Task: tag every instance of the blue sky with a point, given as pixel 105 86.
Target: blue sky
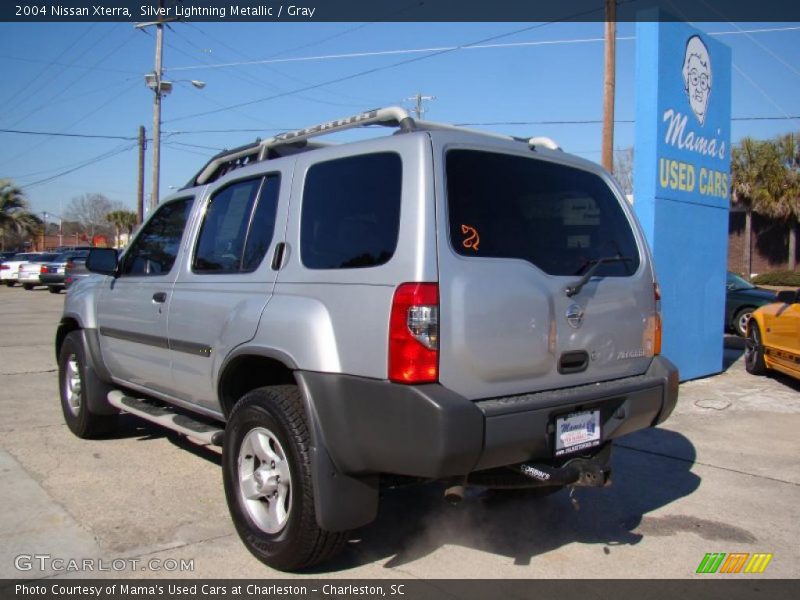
pixel 85 78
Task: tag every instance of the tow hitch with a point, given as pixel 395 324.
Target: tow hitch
pixel 580 473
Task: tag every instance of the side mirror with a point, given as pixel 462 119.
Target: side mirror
pixel 788 296
pixel 103 261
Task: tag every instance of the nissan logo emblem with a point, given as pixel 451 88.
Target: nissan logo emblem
pixel 574 316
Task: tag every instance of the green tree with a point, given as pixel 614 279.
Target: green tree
pixel 15 216
pixel 122 220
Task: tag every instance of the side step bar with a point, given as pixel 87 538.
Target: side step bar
pixel 167 417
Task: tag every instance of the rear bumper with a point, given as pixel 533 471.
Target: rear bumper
pixel 52 279
pixel 370 426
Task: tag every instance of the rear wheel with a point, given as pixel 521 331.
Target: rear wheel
pixel 754 351
pixel 266 470
pixel 740 321
pixel 54 290
pixel 77 383
pixel 27 286
pixel 9 283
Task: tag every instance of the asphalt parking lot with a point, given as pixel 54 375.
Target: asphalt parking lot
pixel 722 475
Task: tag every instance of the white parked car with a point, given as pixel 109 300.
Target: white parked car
pixel 9 272
pixel 29 272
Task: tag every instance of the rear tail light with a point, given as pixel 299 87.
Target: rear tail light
pixel 652 334
pixel 43 269
pixel 414 334
pixel 69 265
pixel 4 267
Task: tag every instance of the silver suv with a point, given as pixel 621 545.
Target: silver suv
pixel 438 304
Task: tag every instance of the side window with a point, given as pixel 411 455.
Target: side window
pixel 260 236
pixel 351 212
pixel 237 231
pixel 155 249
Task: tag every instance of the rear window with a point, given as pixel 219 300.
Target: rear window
pixel 351 212
pixel 559 218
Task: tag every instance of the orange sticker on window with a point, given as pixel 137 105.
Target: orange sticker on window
pixel 473 239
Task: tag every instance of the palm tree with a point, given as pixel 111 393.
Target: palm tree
pixel 747 189
pixel 14 213
pixel 122 219
pixel 766 180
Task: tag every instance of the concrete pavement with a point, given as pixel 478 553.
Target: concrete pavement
pixel 722 475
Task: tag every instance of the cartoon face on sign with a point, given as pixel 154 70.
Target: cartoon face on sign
pixel 697 76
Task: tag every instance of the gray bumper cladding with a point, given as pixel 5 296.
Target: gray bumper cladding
pixel 371 426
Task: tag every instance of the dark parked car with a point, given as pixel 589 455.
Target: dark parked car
pixel 75 270
pixel 6 256
pixel 53 273
pixel 741 299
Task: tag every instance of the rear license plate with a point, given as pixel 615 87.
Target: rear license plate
pixel 577 431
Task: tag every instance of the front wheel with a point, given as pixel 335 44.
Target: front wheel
pixel 754 351
pixel 27 287
pixel 266 468
pixel 77 382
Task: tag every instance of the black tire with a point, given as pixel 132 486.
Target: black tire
pixel 754 351
pixel 277 522
pixel 27 287
pixel 54 290
pixel 77 383
pixel 9 283
pixel 739 324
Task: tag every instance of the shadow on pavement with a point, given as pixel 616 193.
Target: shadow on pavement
pixel 131 426
pixel 416 521
pixel 732 350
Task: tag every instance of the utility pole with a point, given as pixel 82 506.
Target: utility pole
pixel 140 182
pixel 160 89
pixel 609 84
pixel 157 113
pixel 419 98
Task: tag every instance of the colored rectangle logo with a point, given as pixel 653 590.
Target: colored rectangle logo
pixel 734 563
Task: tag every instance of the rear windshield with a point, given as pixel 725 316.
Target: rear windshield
pixel 559 218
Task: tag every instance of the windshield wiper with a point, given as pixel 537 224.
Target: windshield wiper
pixel 578 285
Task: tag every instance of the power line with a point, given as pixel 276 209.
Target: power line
pixel 47 103
pixel 261 82
pixel 282 129
pixel 74 135
pixel 87 163
pixel 476 46
pixel 385 67
pixel 83 118
pixel 47 66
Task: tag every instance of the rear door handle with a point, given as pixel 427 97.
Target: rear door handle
pixel 160 297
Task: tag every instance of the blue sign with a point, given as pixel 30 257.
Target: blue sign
pixel 682 183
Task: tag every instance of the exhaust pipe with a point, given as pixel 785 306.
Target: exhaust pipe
pixel 454 494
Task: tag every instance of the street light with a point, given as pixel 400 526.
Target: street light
pixel 161 88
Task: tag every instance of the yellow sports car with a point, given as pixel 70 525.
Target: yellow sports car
pixel 773 337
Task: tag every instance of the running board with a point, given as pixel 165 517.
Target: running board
pixel 167 417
